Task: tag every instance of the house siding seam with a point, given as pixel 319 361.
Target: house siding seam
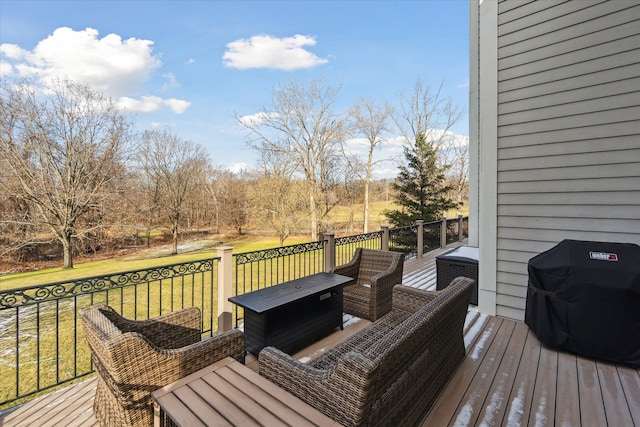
pixel 568 132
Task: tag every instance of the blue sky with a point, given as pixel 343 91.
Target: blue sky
pixel 193 66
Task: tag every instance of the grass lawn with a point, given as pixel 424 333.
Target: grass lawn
pixel 190 251
pixel 143 259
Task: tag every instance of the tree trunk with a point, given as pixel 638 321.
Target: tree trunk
pixel 175 239
pixel 67 250
pixel 314 215
pixel 365 228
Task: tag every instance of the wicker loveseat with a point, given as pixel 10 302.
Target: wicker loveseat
pixel 375 273
pixel 388 373
pixel 133 358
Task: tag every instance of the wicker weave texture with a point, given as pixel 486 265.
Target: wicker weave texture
pixel 390 372
pixel 376 273
pixel 134 358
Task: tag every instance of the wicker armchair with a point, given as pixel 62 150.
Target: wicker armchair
pixel 375 273
pixel 133 358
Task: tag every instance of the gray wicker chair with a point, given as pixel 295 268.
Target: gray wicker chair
pixel 376 273
pixel 133 358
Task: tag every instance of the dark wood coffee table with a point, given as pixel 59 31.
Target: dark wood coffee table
pixel 294 314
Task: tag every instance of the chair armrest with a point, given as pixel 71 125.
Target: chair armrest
pixel 349 270
pixel 152 367
pixel 344 392
pixel 171 330
pixel 410 299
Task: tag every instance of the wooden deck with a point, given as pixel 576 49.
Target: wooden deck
pixel 507 379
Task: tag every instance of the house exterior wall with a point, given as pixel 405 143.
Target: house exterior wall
pixel 559 155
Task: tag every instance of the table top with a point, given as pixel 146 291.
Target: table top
pixel 461 253
pixel 228 393
pixel 276 296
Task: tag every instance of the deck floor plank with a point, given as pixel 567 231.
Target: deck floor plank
pixel 568 399
pixel 473 402
pixel 590 391
pixel 497 399
pixel 521 396
pixel 631 386
pixel 620 387
pixel 444 409
pixel 508 378
pixel 543 401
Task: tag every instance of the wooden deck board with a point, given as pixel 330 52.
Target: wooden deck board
pixel 508 378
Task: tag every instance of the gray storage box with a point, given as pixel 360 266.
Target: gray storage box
pixel 461 261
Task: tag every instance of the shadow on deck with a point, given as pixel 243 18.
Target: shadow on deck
pixel 508 378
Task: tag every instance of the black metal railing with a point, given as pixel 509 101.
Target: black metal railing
pixel 405 240
pixel 345 246
pixel 42 344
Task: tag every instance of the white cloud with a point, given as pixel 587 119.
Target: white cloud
pixel 150 104
pixel 264 51
pixel 238 167
pixel 257 119
pixel 171 81
pixel 12 51
pixel 161 125
pixel 6 69
pixel 110 65
pixel 146 104
pixel 177 105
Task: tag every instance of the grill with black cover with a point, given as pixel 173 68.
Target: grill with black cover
pixel 584 297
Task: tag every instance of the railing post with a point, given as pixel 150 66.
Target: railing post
pixel 460 232
pixel 225 288
pixel 420 244
pixel 384 242
pixel 443 233
pixel 329 251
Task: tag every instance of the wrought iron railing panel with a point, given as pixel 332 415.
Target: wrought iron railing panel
pixel 42 343
pixel 346 246
pixel 430 236
pixel 405 240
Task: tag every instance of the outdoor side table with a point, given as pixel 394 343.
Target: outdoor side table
pixel 461 261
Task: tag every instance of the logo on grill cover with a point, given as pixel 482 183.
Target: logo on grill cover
pixel 603 256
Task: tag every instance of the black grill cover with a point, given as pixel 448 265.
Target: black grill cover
pixel 584 297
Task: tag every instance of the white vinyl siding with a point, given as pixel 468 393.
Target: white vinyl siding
pixel 568 132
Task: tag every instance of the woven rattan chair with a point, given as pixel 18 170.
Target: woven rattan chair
pixel 375 273
pixel 134 358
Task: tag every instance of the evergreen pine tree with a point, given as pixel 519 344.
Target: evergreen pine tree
pixel 421 189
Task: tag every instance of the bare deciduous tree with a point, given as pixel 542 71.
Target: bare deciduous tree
pixel 303 127
pixel 425 113
pixel 65 149
pixel 275 197
pixel 173 168
pixel 369 121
